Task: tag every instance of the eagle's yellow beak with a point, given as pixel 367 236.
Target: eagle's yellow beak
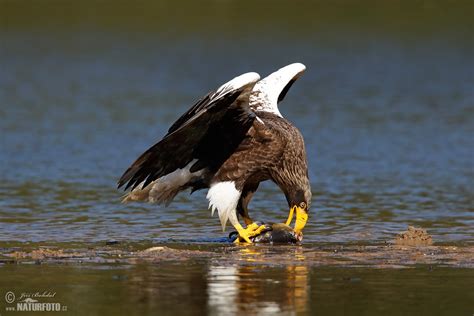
pixel 301 218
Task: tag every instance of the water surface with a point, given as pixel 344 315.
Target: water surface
pixel 386 108
pixel 213 289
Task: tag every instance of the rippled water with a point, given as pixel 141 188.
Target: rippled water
pixel 386 107
pixel 388 124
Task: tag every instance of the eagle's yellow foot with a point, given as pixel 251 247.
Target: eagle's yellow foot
pixel 252 230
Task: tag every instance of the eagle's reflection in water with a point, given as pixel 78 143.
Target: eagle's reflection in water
pixel 256 288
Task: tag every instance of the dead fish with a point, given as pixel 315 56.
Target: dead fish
pixel 276 233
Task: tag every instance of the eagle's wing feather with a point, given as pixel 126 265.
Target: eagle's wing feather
pixel 208 132
pixel 199 106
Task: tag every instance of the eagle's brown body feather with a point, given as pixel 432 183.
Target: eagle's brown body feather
pixel 267 153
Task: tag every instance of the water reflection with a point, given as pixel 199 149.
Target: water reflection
pixel 236 289
pixel 213 288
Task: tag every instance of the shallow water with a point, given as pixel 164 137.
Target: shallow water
pixel 388 119
pixel 386 107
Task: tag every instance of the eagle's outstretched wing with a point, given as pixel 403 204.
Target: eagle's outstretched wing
pixel 202 138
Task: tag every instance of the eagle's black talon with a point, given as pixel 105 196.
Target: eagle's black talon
pixel 233 236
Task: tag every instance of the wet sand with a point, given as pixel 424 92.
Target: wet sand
pixel 411 247
pixel 377 256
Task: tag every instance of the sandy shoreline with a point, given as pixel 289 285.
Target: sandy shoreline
pixel 377 256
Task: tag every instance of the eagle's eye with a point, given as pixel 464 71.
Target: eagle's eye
pixel 303 205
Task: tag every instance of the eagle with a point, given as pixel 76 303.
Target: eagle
pixel 228 142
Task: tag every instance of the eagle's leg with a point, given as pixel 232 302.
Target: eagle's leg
pixel 247 220
pixel 244 212
pixel 244 200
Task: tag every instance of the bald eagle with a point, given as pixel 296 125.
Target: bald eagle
pixel 228 142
